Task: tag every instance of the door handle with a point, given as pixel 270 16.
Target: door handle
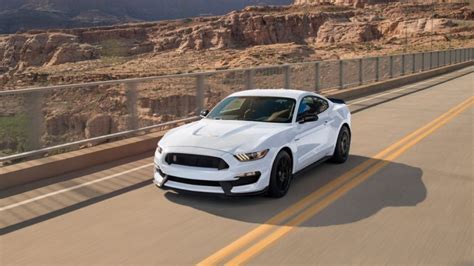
pixel 296 139
pixel 326 122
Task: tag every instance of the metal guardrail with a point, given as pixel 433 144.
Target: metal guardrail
pixel 35 121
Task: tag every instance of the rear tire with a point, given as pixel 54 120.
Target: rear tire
pixel 343 145
pixel 281 175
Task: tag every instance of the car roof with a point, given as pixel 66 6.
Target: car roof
pixel 295 94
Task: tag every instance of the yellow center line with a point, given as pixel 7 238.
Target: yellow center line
pixel 308 200
pixel 316 208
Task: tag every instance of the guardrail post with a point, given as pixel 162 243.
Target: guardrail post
pixel 286 73
pixel 34 113
pixel 200 84
pixel 132 101
pixel 361 73
pixel 422 62
pixel 413 63
pixel 341 74
pixel 249 74
pixel 402 71
pixel 431 61
pixel 390 71
pixel 377 68
pixel 439 59
pixel 317 77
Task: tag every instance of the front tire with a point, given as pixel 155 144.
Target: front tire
pixel 281 175
pixel 343 145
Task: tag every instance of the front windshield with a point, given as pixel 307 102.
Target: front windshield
pixel 253 108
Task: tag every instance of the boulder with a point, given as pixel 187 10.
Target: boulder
pixel 415 27
pixel 25 50
pixel 73 53
pixel 98 125
pixel 331 33
pixel 59 124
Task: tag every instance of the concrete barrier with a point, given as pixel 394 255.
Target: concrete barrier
pixel 55 165
pixel 43 168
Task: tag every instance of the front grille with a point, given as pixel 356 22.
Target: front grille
pixel 196 160
pixel 193 181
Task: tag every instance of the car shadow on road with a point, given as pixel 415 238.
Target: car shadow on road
pixel 396 185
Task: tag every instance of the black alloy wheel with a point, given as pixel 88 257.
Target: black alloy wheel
pixel 343 145
pixel 281 175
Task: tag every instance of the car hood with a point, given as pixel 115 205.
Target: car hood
pixel 223 135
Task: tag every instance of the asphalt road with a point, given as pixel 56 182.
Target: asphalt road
pixel 404 197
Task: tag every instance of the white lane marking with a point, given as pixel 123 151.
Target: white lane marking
pixel 395 91
pixel 71 188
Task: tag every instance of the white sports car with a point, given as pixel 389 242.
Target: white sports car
pixel 253 142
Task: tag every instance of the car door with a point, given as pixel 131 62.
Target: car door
pixel 311 137
pixel 322 107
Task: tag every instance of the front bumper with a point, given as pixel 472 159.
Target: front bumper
pixel 228 181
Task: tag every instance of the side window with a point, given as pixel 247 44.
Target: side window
pixel 321 105
pixel 306 105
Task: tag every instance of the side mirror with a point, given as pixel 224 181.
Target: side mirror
pixel 307 118
pixel 204 113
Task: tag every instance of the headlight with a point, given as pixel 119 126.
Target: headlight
pixel 251 156
pixel 159 149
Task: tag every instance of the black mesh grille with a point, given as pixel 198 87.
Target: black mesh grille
pixel 196 160
pixel 193 181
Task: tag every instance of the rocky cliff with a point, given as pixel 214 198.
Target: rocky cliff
pixel 252 26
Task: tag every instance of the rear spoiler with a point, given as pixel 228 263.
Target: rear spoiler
pixel 339 101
